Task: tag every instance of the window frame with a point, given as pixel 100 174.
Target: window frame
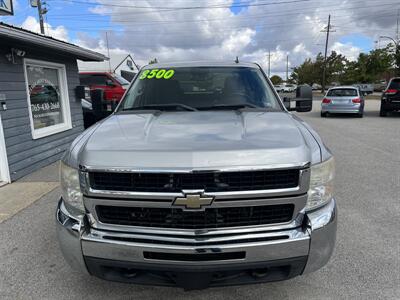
pixel 358 93
pixel 64 99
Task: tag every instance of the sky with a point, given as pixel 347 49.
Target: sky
pixel 179 30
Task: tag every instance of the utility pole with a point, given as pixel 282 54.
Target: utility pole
pixel 326 52
pixel 396 44
pixel 108 53
pixel 397 27
pixel 41 12
pixel 269 63
pixel 287 68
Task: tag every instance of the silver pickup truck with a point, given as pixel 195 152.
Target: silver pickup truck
pixel 201 177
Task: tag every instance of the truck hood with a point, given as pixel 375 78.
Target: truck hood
pixel 197 140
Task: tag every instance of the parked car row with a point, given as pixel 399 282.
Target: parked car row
pixel 350 100
pixel 365 88
pixel 285 88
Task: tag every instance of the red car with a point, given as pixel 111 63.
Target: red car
pixel 114 85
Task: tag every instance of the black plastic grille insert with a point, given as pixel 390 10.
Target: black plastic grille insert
pixel 209 218
pixel 209 181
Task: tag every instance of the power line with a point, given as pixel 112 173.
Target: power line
pixel 295 12
pixel 264 25
pixel 186 7
pixel 249 17
pixel 191 45
pixel 280 24
pixel 215 30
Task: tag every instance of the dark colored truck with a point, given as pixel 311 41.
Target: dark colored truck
pixel 390 100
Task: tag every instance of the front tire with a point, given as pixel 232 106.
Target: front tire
pixel 382 112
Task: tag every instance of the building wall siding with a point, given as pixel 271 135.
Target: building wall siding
pixel 25 154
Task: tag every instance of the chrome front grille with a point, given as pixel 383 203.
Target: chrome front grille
pixel 124 201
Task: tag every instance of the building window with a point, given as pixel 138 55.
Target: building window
pixel 92 79
pixel 48 98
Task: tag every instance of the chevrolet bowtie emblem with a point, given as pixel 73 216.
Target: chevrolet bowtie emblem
pixel 193 201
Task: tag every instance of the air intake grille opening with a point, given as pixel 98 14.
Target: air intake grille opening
pixel 209 218
pixel 209 181
pixel 194 257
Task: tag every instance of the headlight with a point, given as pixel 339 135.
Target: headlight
pixel 321 184
pixel 70 187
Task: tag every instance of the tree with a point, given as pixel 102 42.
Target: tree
pixel 396 56
pixel 368 68
pixel 335 67
pixel 276 79
pixel 309 71
pixel 351 73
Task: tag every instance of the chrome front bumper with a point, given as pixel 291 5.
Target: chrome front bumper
pixel 314 240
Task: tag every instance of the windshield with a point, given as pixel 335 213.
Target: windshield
pixel 121 80
pixel 342 92
pixel 394 84
pixel 200 88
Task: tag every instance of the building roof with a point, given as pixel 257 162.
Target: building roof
pixel 19 34
pixel 116 60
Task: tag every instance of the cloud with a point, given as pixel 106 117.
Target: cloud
pixel 216 34
pixel 293 29
pixel 59 32
pixel 239 40
pixel 348 50
pixel 99 47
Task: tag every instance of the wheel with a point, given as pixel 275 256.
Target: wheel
pixel 324 114
pixel 360 115
pixel 382 112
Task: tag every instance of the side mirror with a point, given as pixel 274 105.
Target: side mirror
pixel 109 82
pixel 82 92
pixel 304 98
pixel 286 103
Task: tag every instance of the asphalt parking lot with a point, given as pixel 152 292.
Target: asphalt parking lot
pixel 365 264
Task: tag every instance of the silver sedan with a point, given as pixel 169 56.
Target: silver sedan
pixel 343 99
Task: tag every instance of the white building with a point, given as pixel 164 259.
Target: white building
pixel 121 64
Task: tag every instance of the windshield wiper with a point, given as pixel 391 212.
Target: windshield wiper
pixel 232 106
pixel 162 107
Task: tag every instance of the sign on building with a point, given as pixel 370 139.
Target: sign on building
pixel 6 7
